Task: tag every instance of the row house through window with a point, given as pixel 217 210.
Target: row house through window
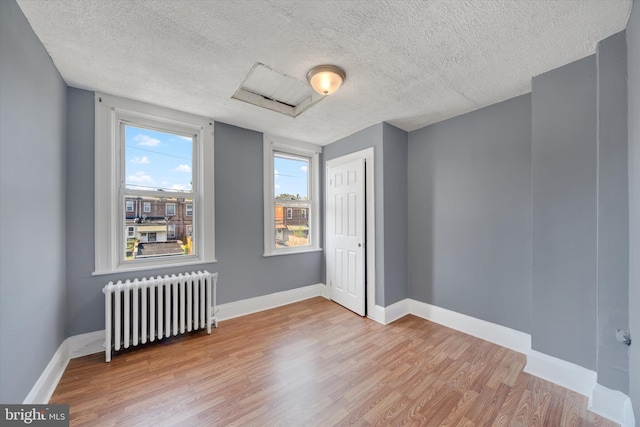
pixel 157 220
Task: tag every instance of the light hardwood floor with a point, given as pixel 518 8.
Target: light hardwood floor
pixel 315 363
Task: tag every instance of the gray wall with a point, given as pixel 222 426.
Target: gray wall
pixel 244 272
pixel 390 156
pixel 633 58
pixel 32 206
pixel 395 149
pixel 470 214
pixel 564 178
pixel 613 213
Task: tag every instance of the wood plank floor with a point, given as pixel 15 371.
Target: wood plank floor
pixel 314 363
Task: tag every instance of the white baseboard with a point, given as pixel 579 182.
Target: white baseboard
pixel 612 404
pixel 377 314
pixel 266 302
pixel 85 344
pixel 43 389
pixel 561 372
pixel 497 334
pixel 396 311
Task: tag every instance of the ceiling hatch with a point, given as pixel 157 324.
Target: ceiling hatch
pixel 277 92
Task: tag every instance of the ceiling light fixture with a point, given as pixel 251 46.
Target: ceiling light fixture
pixel 326 79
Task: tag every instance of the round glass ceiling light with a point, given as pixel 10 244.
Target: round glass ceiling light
pixel 326 79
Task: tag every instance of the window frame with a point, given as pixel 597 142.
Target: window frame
pixel 146 205
pixel 110 113
pixel 127 204
pixel 166 209
pixel 188 209
pixel 275 145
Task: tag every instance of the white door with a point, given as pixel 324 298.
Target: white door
pixel 345 219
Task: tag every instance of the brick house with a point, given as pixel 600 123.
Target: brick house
pixel 158 219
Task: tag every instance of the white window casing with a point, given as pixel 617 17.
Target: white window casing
pixel 275 145
pixel 110 113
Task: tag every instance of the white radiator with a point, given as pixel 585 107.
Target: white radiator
pixel 141 311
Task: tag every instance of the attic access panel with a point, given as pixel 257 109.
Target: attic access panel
pixel 266 88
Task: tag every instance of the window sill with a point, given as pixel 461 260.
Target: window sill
pixel 144 267
pixel 301 251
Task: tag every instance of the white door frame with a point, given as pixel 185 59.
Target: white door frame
pixel 368 156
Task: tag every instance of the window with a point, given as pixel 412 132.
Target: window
pixel 189 230
pixel 150 156
pixel 290 187
pixel 131 232
pixel 189 210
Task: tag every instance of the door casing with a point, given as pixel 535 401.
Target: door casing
pixel 370 260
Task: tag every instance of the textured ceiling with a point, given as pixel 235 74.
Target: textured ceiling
pixel 409 63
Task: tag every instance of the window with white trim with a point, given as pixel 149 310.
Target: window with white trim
pixel 189 210
pixel 149 157
pixel 291 185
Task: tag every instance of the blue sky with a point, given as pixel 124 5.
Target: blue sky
pixel 290 177
pixel 157 160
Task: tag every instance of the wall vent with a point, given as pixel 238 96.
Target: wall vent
pixel 266 88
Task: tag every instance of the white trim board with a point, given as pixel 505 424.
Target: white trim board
pixel 46 384
pixel 561 372
pixel 265 302
pixel 497 334
pixel 612 404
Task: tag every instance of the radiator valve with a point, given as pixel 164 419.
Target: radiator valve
pixel 623 336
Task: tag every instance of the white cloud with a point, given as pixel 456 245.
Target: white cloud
pixel 303 168
pixel 183 168
pixel 140 178
pixel 178 187
pixel 185 138
pixel 277 186
pixel 146 140
pixel 144 160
